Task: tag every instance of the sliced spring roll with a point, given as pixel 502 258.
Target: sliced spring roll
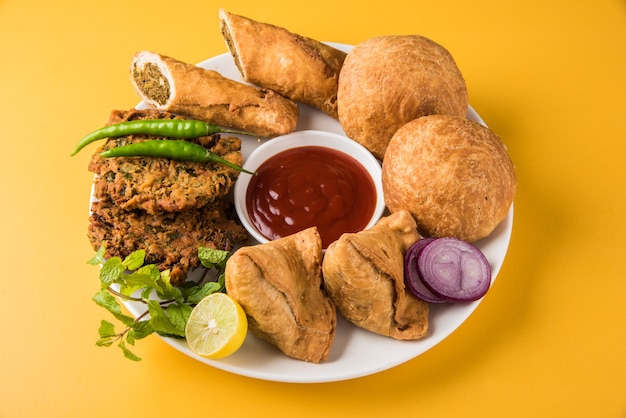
pixel 185 89
pixel 279 286
pixel 297 67
pixel 364 276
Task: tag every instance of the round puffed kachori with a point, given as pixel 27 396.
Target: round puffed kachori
pixel 388 81
pixel 454 175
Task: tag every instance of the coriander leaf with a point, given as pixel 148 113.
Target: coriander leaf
pixel 98 257
pixel 141 329
pixel 111 271
pixel 195 294
pixel 146 294
pixel 145 277
pixel 169 306
pixel 106 300
pixel 179 315
pixel 221 280
pixel 134 260
pixel 164 288
pixel 210 257
pixel 127 353
pixel 107 334
pixel 106 329
pixel 160 321
pixel 107 341
pixel 150 270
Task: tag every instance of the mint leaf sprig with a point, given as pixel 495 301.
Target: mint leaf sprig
pixel 167 307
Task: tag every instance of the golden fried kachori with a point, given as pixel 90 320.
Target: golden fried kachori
pixel 454 175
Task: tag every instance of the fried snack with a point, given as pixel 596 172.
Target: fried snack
pixel 364 276
pixel 454 175
pixel 297 67
pixel 279 286
pixel 388 81
pixel 168 84
pixel 171 239
pixel 160 184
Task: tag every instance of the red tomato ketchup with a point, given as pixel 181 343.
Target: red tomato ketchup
pixel 311 186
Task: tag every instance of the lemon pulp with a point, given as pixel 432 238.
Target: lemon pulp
pixel 217 326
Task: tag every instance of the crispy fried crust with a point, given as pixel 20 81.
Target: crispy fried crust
pixel 454 175
pixel 295 66
pixel 168 84
pixel 364 276
pixel 388 81
pixel 171 240
pixel 279 285
pixel 159 184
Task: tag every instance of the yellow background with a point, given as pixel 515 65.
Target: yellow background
pixel 550 338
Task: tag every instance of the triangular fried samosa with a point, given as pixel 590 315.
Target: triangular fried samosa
pixel 279 285
pixel 364 276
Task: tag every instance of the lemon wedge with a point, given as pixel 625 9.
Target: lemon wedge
pixel 217 326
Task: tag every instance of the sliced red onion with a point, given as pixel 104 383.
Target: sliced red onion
pixel 412 277
pixel 454 269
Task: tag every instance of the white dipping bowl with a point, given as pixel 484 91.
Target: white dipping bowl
pixel 303 139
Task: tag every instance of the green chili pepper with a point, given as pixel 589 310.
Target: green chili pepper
pixel 170 148
pixel 172 128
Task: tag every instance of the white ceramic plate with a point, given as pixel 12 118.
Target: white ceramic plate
pixel 355 352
